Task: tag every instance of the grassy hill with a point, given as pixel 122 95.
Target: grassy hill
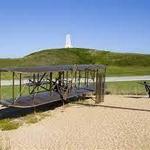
pixel 119 63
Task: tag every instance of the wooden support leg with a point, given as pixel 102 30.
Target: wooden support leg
pixel 97 98
pixel 50 84
pixel 67 76
pixel 87 79
pixel 75 78
pixel 13 84
pixel 98 87
pixel 0 87
pixel 38 78
pixel 79 82
pixel 20 84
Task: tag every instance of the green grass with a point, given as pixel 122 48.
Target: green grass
pixel 125 88
pixel 118 63
pixel 128 71
pixel 30 119
pixel 12 124
pixel 6 91
pixel 8 124
pixel 35 117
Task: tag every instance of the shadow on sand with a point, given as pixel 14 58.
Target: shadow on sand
pixel 19 112
pixel 10 112
pixel 137 97
pixel 115 107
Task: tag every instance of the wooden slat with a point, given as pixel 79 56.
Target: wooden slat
pixel 54 68
pixel 43 98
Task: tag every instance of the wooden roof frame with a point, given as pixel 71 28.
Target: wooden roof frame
pixel 75 89
pixel 53 68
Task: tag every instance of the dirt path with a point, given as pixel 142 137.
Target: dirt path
pixel 121 122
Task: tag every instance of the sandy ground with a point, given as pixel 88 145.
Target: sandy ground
pixel 121 122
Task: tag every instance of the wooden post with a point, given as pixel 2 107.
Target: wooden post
pixel 94 77
pixel 20 86
pixel 50 85
pixel 98 87
pixel 63 77
pixel 97 98
pixel 34 82
pixel 79 79
pixel 33 92
pixel 38 78
pixel 67 76
pixel 103 84
pixel 75 77
pixel 59 78
pixel 85 78
pixel 0 86
pixel 13 84
pixel 87 75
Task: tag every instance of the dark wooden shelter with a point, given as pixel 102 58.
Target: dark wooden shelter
pixel 35 86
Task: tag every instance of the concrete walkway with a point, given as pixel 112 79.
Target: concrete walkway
pixel 127 78
pixel 108 79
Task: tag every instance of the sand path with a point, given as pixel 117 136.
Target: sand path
pixel 121 122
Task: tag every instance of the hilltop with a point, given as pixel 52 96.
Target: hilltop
pixel 117 61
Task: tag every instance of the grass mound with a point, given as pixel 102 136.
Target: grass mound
pixel 119 63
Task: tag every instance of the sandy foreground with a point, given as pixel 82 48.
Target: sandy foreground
pixel 121 122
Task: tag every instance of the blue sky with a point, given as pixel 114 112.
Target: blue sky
pixel 30 25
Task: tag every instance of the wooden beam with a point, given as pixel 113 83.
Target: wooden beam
pixel 38 78
pixel 50 84
pixel 20 84
pixel 94 77
pixel 79 79
pixel 67 76
pixel 59 78
pixel 13 86
pixel 63 77
pixel 75 77
pixel 87 76
pixel 0 85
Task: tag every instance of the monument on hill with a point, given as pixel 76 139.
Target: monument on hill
pixel 68 41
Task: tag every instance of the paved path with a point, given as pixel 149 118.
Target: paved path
pixel 127 78
pixel 108 79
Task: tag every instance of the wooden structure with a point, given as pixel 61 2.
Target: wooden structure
pixel 35 86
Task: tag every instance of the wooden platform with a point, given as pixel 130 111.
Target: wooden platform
pixel 44 98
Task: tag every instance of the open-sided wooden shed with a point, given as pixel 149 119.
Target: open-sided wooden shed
pixel 34 86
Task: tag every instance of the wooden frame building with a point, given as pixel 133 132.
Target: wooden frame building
pixel 35 86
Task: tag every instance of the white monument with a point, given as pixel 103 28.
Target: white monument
pixel 68 41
